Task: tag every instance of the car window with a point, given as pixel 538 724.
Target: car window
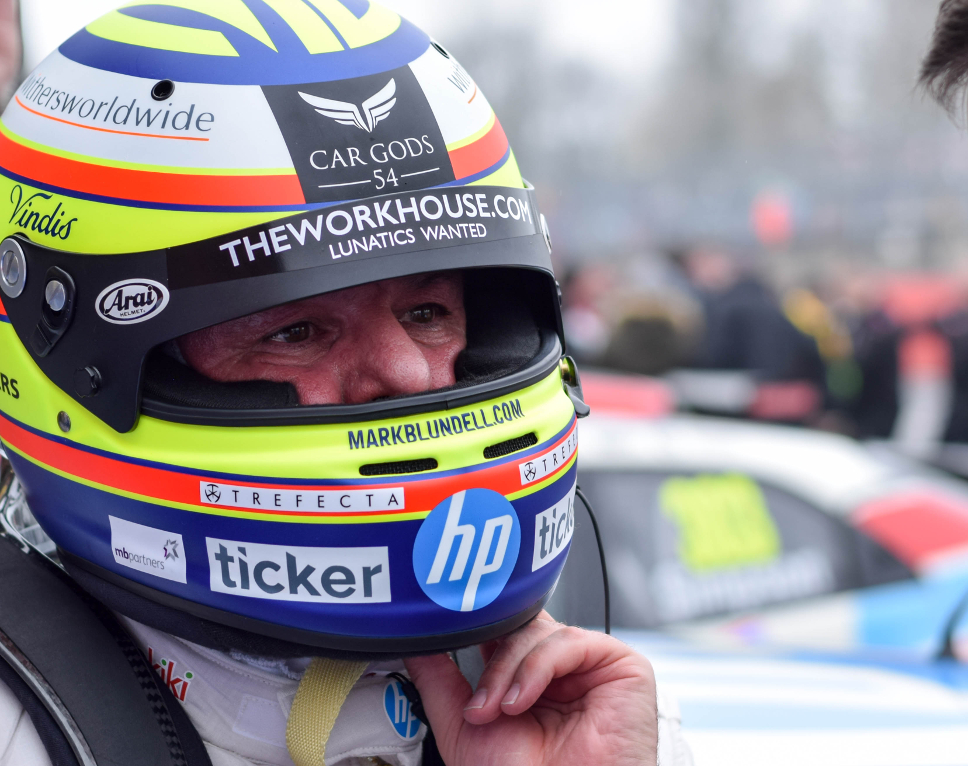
pixel 687 546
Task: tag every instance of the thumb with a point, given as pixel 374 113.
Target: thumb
pixel 444 692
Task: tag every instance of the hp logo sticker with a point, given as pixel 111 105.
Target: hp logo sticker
pixel 466 549
pixel 395 702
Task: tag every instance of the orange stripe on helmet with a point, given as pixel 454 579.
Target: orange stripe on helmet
pixel 175 486
pixel 482 154
pixel 148 186
pixel 105 130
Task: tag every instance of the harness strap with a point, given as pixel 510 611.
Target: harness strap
pixel 76 659
pixel 321 693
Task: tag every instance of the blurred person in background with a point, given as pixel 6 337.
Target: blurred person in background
pixel 859 342
pixel 656 332
pixel 747 330
pixel 810 314
pixel 876 340
pixel 585 292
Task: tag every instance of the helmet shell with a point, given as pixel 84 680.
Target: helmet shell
pixel 169 123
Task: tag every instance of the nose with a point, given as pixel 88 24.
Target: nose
pixel 382 360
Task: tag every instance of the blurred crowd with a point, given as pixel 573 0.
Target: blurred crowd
pixel 869 353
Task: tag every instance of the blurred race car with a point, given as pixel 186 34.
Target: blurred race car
pixel 762 534
pixel 751 708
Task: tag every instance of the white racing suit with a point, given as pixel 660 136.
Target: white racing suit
pixel 240 705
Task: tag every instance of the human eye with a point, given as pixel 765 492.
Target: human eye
pixel 426 314
pixel 296 333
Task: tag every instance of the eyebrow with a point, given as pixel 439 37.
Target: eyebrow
pixel 427 280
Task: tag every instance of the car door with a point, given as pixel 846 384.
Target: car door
pixel 686 546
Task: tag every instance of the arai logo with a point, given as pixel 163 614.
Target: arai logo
pixel 132 301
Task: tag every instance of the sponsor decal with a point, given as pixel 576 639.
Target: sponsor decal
pixel 427 430
pixel 146 549
pixel 466 549
pixel 459 78
pixel 292 573
pixel 722 520
pixel 302 500
pixel 395 224
pixel 369 114
pixel 681 594
pixel 165 668
pixel 400 711
pixel 34 213
pixel 115 114
pixel 543 465
pixel 132 301
pixel 553 530
pixel 9 386
pixel 358 137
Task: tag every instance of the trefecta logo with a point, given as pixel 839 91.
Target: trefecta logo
pixel 361 137
pixel 132 301
pixel 466 549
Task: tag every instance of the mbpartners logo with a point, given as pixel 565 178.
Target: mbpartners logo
pixel 149 550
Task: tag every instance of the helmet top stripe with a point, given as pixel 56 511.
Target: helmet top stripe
pixel 247 42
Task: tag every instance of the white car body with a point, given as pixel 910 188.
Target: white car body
pixel 839 477
pixel 747 709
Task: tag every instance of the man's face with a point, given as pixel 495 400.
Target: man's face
pixel 399 336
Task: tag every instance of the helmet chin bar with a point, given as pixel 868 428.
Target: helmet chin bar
pixel 225 631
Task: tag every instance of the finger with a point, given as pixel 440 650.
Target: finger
pixel 444 692
pixel 488 649
pixel 501 666
pixel 586 660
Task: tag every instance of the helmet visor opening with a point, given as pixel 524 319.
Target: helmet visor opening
pixel 510 334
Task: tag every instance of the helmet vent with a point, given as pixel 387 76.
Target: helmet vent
pixel 162 90
pixel 403 466
pixel 440 49
pixel 511 445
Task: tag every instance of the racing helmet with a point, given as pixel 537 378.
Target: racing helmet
pixel 179 164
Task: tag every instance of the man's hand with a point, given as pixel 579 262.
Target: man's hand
pixel 551 695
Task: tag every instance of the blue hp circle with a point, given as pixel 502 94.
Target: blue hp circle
pixel 399 711
pixel 466 549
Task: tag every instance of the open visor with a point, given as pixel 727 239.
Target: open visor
pixel 91 321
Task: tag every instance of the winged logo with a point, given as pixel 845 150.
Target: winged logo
pixel 374 110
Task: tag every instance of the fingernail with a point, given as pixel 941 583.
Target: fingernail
pixel 477 701
pixel 511 697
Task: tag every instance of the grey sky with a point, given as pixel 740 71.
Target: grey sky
pixel 634 32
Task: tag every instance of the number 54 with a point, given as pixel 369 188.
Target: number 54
pixel 382 182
